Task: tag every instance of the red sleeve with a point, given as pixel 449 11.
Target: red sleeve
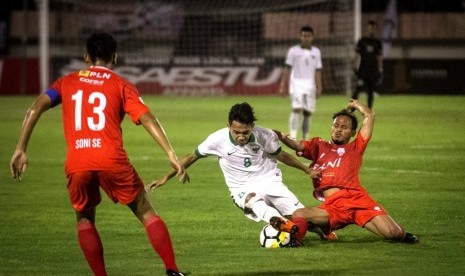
pixel 310 149
pixel 133 104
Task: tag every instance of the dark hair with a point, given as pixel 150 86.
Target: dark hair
pixel 306 29
pixel 372 23
pixel 350 114
pixel 101 46
pixel 242 113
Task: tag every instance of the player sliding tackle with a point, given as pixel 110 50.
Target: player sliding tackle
pixel 248 156
pixel 337 184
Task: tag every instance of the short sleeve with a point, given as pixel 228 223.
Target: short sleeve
pixel 54 92
pixel 133 104
pixel 289 58
pixel 272 145
pixel 310 149
pixel 208 146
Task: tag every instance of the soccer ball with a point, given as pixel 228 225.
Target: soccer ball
pixel 272 238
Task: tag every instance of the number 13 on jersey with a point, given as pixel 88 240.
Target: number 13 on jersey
pixel 93 124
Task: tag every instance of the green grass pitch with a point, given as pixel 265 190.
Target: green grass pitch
pixel 414 166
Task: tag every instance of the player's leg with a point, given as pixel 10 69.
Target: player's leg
pixel 84 194
pixel 308 107
pixel 317 222
pixel 286 202
pixel 385 227
pixel 89 241
pixel 156 229
pixel 294 119
pixel 306 124
pixel 126 187
pixel 370 89
pixel 358 88
pixel 260 208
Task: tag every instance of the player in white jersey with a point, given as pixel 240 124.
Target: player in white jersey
pixel 248 156
pixel 302 76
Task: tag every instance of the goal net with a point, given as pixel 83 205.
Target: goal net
pixel 205 47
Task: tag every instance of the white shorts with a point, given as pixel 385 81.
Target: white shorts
pixel 303 95
pixel 274 193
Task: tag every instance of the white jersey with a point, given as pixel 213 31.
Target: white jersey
pixel 251 169
pixel 304 62
pixel 241 166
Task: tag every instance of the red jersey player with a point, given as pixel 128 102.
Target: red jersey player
pixel 94 102
pixel 336 165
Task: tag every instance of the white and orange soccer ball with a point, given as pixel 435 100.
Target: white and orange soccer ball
pixel 272 238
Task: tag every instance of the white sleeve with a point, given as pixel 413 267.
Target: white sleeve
pixel 271 141
pixel 208 147
pixel 290 58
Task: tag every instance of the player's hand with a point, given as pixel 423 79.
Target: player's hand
pixel 314 174
pixel 352 105
pixel 180 170
pixel 181 173
pixel 156 183
pixel 18 164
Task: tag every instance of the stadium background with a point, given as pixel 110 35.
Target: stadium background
pixel 225 47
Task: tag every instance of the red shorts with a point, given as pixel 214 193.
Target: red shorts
pixel 351 207
pixel 121 186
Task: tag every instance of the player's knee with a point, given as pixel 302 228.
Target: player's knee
pixel 395 233
pixel 251 199
pixel 303 213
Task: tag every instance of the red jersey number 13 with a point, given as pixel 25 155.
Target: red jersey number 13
pixel 98 110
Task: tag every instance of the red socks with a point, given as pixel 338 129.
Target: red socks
pixel 302 224
pixel 160 240
pixel 91 246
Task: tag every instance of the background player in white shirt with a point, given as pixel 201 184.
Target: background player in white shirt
pixel 302 76
pixel 248 156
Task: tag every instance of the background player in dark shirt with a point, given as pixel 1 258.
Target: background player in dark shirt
pixel 369 63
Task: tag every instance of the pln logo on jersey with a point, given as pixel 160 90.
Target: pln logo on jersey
pixel 255 149
pixel 341 151
pixel 84 73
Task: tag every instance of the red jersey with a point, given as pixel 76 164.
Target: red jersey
pixel 94 102
pixel 339 164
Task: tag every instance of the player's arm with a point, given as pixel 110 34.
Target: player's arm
pixel 18 163
pixel 284 84
pixel 288 141
pixel 368 117
pixel 154 128
pixel 186 162
pixel 291 161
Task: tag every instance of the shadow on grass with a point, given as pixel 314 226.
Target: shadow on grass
pixel 286 272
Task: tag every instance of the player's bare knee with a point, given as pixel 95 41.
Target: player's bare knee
pixel 141 206
pixel 307 213
pixel 395 233
pixel 299 213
